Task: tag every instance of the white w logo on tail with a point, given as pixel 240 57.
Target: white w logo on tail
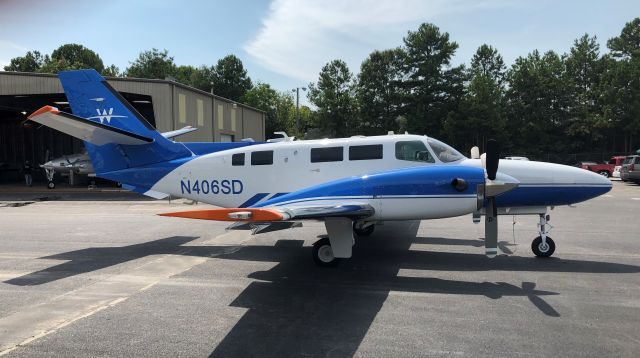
pixel 106 115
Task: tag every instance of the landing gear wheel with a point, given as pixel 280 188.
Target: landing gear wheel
pixel 604 173
pixel 323 254
pixel 542 250
pixel 51 185
pixel 363 231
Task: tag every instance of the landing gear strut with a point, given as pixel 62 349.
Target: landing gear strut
pixel 328 251
pixel 543 245
pixel 50 173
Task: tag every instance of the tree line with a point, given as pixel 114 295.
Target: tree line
pixel 581 101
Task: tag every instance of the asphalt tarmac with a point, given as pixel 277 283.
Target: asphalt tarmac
pixel 102 276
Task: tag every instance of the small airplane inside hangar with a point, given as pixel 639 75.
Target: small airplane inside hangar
pixel 166 104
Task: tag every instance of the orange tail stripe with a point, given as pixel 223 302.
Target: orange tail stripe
pixel 223 214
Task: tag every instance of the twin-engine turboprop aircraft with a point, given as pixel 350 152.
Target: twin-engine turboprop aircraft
pixel 349 183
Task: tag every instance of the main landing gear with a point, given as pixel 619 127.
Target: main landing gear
pixel 543 245
pixel 363 228
pixel 328 251
pixel 323 253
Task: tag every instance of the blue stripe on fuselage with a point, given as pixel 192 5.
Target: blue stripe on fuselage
pixel 550 194
pixel 145 176
pixel 252 200
pixel 414 181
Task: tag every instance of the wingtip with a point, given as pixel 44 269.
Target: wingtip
pixel 44 109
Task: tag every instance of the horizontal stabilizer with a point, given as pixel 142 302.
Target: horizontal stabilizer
pixel 177 132
pixel 85 129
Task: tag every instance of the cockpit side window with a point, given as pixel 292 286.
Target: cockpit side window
pixel 413 151
pixel 444 152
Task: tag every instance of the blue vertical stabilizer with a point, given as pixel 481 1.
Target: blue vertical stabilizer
pixel 91 97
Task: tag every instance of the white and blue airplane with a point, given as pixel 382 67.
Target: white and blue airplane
pixel 349 183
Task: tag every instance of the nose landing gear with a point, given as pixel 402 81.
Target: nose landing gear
pixel 543 245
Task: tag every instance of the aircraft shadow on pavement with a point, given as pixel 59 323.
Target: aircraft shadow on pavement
pixel 296 308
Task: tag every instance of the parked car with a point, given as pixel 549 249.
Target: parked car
pixel 631 165
pixel 617 164
pixel 603 169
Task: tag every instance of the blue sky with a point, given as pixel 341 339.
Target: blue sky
pixel 286 42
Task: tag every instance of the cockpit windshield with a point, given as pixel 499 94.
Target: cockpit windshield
pixel 444 152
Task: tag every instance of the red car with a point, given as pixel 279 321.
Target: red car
pixel 607 169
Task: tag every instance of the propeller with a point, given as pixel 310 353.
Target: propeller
pixel 493 188
pixel 491 161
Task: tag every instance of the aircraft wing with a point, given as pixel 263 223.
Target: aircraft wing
pixel 279 213
pixel 85 129
pixel 178 132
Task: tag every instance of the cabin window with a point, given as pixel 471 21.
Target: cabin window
pixel 327 154
pixel 365 152
pixel 237 159
pixel 413 151
pixel 264 157
pixel 444 152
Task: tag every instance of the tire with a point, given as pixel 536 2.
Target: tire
pixel 604 173
pixel 363 231
pixel 51 185
pixel 322 253
pixel 538 250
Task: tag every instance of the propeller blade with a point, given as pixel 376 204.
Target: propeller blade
pixel 491 228
pixel 492 158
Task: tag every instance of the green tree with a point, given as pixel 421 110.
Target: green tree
pixel 65 57
pixel 433 86
pixel 621 84
pixel 333 95
pixel 582 79
pixel 627 45
pixel 203 78
pixel 481 113
pixel 152 64
pixel 280 109
pixel 31 62
pixel 537 102
pixel 488 63
pixel 230 78
pixel 72 56
pixel 378 95
pixel 112 71
pixel 185 74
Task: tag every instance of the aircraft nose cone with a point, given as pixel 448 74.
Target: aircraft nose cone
pixel 597 183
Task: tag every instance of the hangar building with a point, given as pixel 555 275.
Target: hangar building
pixel 166 104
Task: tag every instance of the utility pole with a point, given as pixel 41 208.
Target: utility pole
pixel 297 91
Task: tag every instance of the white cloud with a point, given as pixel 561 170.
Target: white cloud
pixel 298 37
